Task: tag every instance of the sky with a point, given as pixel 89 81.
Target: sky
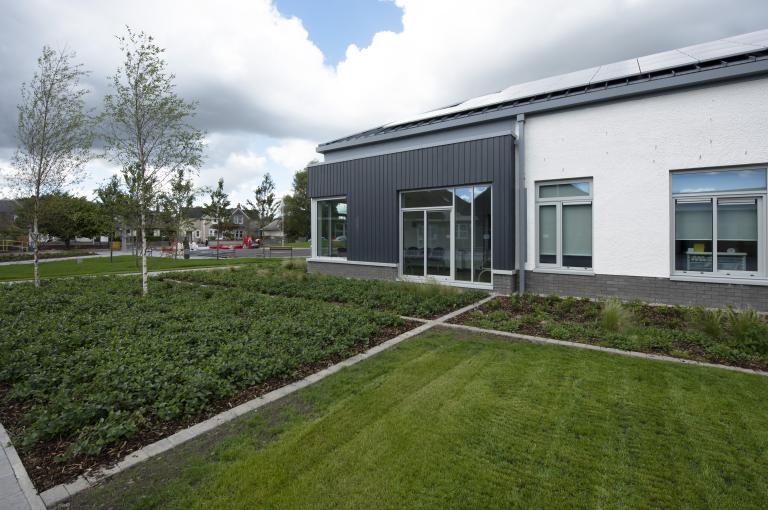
pixel 273 78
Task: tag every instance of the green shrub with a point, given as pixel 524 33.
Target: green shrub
pixel 295 264
pixel 711 322
pixel 615 317
pixel 115 362
pixel 748 330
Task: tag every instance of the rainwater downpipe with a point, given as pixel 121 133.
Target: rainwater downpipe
pixel 522 210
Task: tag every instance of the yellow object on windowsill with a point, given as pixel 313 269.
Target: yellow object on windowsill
pixel 698 247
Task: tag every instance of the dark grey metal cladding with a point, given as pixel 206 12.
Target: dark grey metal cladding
pixel 372 187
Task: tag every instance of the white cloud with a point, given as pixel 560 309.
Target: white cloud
pixel 266 97
pixel 293 153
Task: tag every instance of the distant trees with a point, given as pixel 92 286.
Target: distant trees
pixel 176 203
pixel 265 205
pixel 147 128
pixel 297 207
pixel 55 135
pixel 62 215
pixel 216 209
pixel 114 207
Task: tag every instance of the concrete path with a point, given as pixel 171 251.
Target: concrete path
pixel 57 259
pixel 16 489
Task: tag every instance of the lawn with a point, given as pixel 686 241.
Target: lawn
pixel 454 421
pixel 42 255
pixel 119 264
pixel 90 370
pixel 720 336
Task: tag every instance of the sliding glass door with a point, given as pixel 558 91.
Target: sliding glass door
pixel 446 234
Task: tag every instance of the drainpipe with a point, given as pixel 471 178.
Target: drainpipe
pixel 522 210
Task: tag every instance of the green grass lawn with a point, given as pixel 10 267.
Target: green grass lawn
pixel 454 421
pixel 119 264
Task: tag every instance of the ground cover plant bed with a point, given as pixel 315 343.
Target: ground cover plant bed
pixel 409 299
pixel 89 370
pixel 451 419
pixel 722 336
pixel 119 264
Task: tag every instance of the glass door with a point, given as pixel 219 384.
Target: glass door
pixel 439 243
pixel 413 243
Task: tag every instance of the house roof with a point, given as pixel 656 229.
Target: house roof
pixel 276 224
pixel 8 206
pixel 582 86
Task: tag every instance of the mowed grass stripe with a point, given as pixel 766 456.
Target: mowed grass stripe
pixel 448 421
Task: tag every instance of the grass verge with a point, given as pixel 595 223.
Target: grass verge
pixel 450 420
pixel 119 264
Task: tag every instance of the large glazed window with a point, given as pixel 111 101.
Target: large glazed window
pixel 332 228
pixel 564 224
pixel 446 233
pixel 719 222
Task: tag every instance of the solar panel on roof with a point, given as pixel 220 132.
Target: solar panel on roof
pixel 664 60
pixel 722 48
pixel 616 70
pixel 759 38
pixel 715 49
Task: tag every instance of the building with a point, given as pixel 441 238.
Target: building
pixel 639 179
pixel 202 228
pixel 273 230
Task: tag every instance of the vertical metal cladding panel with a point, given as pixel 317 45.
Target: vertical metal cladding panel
pixel 372 187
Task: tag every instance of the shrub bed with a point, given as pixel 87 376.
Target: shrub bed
pixel 722 336
pixel 411 299
pixel 89 369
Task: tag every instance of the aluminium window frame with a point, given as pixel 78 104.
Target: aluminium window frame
pixel 446 280
pixel 314 233
pixel 559 202
pixel 761 197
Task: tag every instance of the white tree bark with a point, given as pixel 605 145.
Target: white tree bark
pixel 144 274
pixel 35 243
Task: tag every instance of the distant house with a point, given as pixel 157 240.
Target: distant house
pixel 273 230
pixel 203 227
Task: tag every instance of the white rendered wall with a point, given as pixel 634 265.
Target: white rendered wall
pixel 629 148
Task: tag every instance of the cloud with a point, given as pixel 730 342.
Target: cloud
pixel 266 97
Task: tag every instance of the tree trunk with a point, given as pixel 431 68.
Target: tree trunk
pixel 36 256
pixel 144 274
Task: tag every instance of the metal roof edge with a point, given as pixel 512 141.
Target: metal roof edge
pixel 619 91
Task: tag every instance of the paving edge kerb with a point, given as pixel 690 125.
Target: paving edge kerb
pixel 34 501
pixel 63 492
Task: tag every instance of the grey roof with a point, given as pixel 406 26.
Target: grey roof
pixel 668 64
pixel 275 224
pixel 8 206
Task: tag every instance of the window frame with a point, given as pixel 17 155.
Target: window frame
pixel 761 197
pixel 559 202
pixel 314 232
pixel 451 279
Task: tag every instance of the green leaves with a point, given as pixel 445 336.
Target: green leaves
pixel 93 365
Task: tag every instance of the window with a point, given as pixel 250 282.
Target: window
pixel 238 219
pixel 331 217
pixel 446 233
pixel 564 224
pixel 719 222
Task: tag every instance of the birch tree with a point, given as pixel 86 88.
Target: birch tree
pixel 175 206
pixel 54 134
pixel 147 127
